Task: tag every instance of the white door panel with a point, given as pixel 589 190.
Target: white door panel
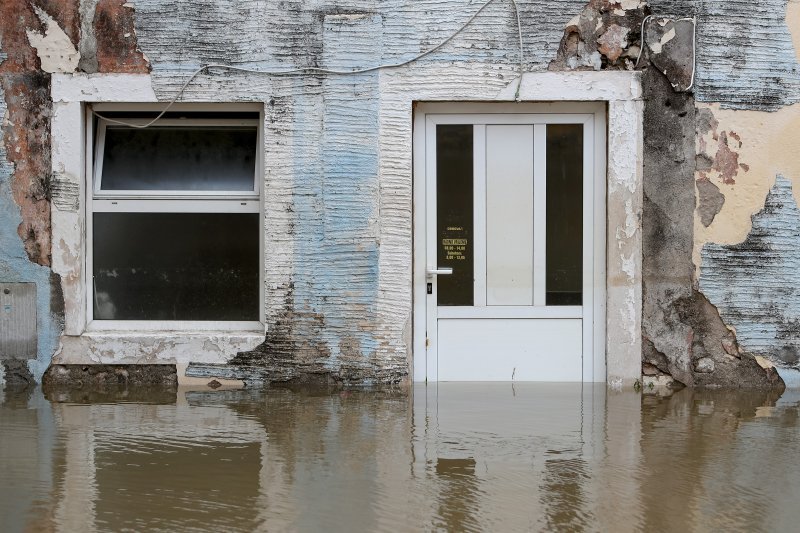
pixel 509 214
pixel 502 349
pixel 509 207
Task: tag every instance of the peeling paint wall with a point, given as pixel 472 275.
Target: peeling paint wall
pixel 37 39
pixel 757 282
pixel 24 162
pixel 717 53
pixel 745 231
pixel 686 341
pixel 747 172
pixel 741 153
pixel 338 200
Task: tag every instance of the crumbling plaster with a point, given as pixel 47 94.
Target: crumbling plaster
pixel 53 46
pixel 755 282
pixel 38 38
pixel 744 255
pixel 336 235
pixel 747 173
pixel 755 146
pixel 684 336
pixel 15 266
pixel 686 54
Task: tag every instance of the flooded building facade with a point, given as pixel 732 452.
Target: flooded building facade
pixel 376 192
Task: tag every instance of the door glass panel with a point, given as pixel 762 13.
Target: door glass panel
pixel 564 214
pixel 509 214
pixel 454 213
pixel 179 159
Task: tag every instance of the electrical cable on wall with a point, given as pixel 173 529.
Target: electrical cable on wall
pixel 318 70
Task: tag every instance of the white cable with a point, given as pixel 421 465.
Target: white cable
pixel 694 50
pixel 641 34
pixel 317 70
pixel 694 46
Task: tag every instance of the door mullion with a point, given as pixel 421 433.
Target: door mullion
pixel 539 214
pixel 588 249
pixel 479 213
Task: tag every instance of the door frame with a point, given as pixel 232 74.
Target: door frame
pixel 594 330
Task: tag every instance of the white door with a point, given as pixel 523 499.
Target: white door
pixel 512 209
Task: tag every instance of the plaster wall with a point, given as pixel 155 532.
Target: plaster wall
pixel 746 227
pixel 741 152
pixel 338 185
pixel 337 204
pixel 746 224
pixel 390 360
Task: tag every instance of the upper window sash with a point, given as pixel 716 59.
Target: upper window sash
pixel 103 127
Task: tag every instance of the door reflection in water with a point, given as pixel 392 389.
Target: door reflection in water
pixel 460 457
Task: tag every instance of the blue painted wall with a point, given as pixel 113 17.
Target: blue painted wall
pixel 756 283
pixel 16 267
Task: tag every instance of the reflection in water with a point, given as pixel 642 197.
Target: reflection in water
pixel 733 448
pixel 457 494
pixel 458 457
pixel 561 494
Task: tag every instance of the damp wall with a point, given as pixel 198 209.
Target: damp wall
pixel 719 85
pixel 746 172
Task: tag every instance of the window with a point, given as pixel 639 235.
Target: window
pixel 174 226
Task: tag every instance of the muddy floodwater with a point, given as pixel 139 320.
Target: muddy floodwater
pixel 457 457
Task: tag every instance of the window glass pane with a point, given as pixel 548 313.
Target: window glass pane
pixel 564 214
pixel 179 159
pixel 454 208
pixel 176 266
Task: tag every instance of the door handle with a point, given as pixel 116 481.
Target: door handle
pixel 440 271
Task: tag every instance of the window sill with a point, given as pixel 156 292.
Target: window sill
pixel 156 346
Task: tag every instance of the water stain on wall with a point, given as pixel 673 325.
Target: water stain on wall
pixel 36 39
pixel 324 212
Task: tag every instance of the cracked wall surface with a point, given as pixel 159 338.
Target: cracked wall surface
pixel 757 282
pixel 337 216
pixel 747 173
pixel 685 337
pixel 691 161
pixel 38 39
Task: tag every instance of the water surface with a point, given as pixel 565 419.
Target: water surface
pixel 458 457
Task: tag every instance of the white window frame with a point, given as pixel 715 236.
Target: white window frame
pixel 100 137
pixel 168 202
